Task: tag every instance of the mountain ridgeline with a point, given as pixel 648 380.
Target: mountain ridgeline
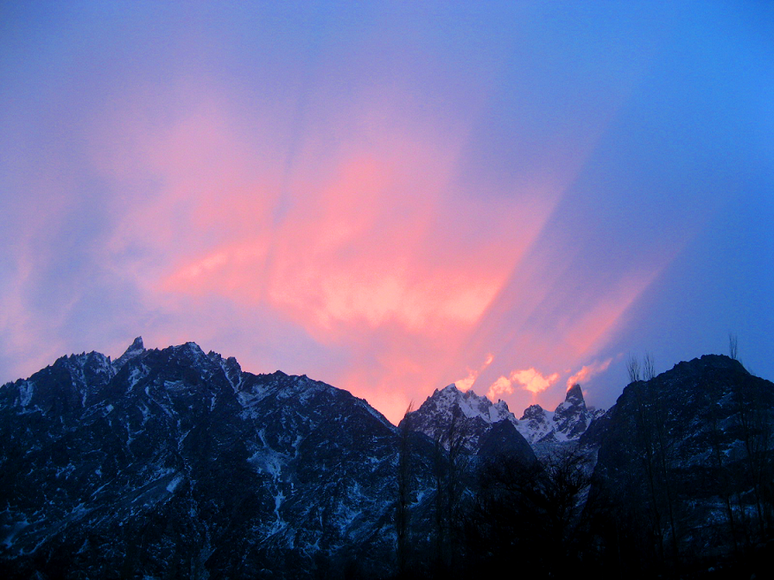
pixel 176 463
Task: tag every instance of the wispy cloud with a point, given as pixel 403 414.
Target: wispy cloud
pixel 467 383
pixel 588 371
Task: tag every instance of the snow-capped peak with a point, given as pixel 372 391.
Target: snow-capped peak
pixel 474 415
pixel 471 405
pixel 567 423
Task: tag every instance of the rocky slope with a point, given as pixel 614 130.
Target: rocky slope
pixel 686 458
pixel 176 462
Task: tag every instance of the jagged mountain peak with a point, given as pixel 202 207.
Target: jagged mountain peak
pixel 571 417
pixel 189 353
pixel 532 412
pixel 135 349
pixel 567 422
pixel 467 411
pixel 470 404
pixel 270 466
pixel 230 366
pixel 574 395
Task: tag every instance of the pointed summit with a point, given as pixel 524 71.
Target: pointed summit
pixel 134 350
pixel 571 417
pixel 567 422
pixel 574 396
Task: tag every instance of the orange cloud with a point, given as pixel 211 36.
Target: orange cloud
pixel 587 371
pixel 529 379
pixel 467 383
pixel 502 386
pixel 533 381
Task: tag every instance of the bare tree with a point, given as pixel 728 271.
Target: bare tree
pixel 733 347
pixel 533 509
pixel 645 441
pixel 633 368
pixel 656 443
pixel 754 422
pixel 723 477
pixel 648 367
pixel 450 468
pixel 439 475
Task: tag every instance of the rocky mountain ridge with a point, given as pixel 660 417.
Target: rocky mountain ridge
pixel 217 471
pixel 475 415
pixel 173 462
pixel 689 455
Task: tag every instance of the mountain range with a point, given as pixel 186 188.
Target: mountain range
pixel 177 463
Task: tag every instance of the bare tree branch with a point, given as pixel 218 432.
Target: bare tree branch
pixel 733 348
pixel 633 368
pixel 649 367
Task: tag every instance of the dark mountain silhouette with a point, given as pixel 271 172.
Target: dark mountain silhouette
pixel 686 461
pixel 176 463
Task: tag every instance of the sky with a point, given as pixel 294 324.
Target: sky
pixel 391 196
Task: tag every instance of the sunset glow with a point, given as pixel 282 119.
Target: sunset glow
pixel 507 202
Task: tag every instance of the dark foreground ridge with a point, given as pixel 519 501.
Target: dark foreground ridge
pixel 176 463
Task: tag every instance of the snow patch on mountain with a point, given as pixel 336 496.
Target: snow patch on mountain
pixel 476 414
pixel 136 349
pixel 566 423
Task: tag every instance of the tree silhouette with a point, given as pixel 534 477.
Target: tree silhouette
pixel 531 512
pixel 733 346
pixel 633 368
pixel 648 367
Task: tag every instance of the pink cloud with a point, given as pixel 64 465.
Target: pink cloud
pixel 533 381
pixel 364 242
pixel 529 380
pixel 467 383
pixel 588 371
pixel 335 260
